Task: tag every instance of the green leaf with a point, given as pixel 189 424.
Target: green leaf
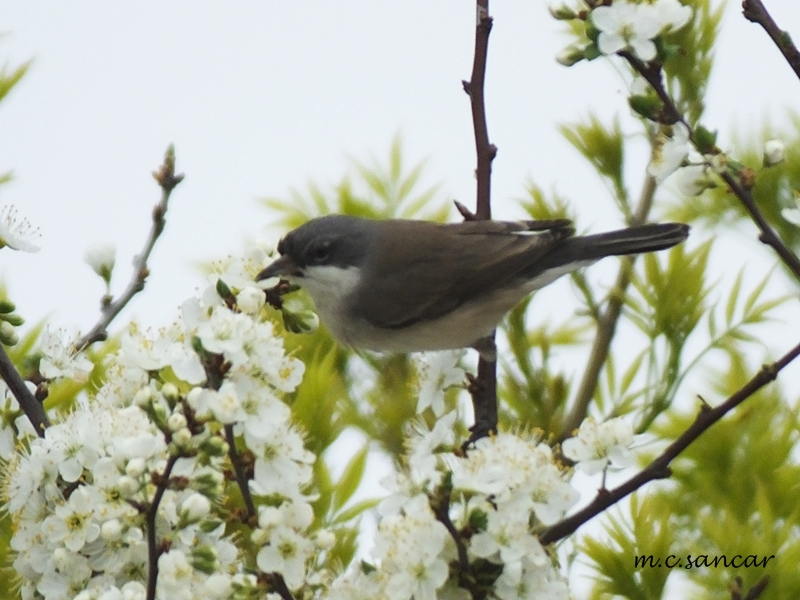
pixel 324 488
pixel 350 479
pixel 604 148
pixel 733 297
pixel 631 371
pixel 9 80
pixel 756 293
pixel 356 510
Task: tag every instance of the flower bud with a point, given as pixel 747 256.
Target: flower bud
pixel 7 306
pixel 127 486
pixel 325 539
pixel 176 421
pixel 15 320
pixel 562 12
pixel 111 531
pixel 8 335
pixel 182 436
pixel 170 392
pixel 570 55
pixel 196 507
pixel 251 300
pixel 135 467
pixel 101 257
pixel 204 558
pixel 143 397
pixel 215 446
pixel 774 153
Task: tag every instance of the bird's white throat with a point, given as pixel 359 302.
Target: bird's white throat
pixel 329 288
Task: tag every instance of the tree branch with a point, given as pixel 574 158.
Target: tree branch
pixel 484 391
pixel 659 468
pixel 153 551
pixel 32 408
pixel 754 10
pixel 168 180
pixel 241 477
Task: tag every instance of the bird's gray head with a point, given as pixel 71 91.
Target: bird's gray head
pixel 337 241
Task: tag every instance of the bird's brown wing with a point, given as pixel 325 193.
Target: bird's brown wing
pixel 477 256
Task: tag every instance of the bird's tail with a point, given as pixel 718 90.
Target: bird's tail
pixel 643 238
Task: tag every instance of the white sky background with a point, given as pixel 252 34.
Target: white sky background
pixel 260 97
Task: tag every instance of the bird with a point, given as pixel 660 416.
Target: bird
pixel 403 285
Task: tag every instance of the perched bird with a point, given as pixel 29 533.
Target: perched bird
pixel 405 286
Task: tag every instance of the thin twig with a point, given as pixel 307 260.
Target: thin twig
pixel 153 551
pixel 670 114
pixel 768 235
pixel 241 476
pixel 440 503
pixel 32 408
pixel 659 468
pixel 754 10
pixel 484 393
pixel 168 180
pixel 216 367
pixel 279 586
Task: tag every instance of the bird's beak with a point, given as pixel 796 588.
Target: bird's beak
pixel 284 266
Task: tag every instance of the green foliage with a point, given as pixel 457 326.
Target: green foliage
pixel 644 531
pixel 732 491
pixel 533 393
pixel 10 78
pixel 688 67
pixel 603 147
pixel 380 192
pixel 735 492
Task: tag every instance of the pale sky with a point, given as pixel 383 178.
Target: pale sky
pixel 260 97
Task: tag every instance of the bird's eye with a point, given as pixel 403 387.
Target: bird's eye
pixel 321 253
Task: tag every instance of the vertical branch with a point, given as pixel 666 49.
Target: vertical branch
pixel 484 388
pixel 484 149
pixel 154 550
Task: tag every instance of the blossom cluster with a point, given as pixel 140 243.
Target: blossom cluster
pixel 138 468
pixel 475 513
pixel 623 25
pixel 132 494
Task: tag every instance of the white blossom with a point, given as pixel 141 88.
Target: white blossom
pixel 627 25
pixel 250 300
pixel 691 180
pixel 59 358
pixel 669 152
pixel 598 445
pixel 633 26
pixel 17 233
pixel 438 371
pixel 196 507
